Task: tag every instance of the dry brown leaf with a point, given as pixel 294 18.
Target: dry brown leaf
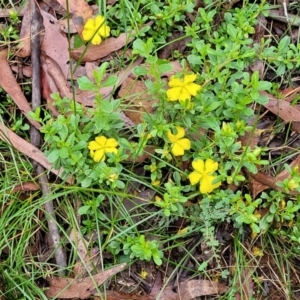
pixel 12 88
pixel 268 181
pixel 26 187
pixel 27 149
pixel 66 26
pixel 87 259
pixel 24 47
pixel 81 288
pixel 87 97
pixel 80 11
pixel 256 187
pixel 26 70
pixel 114 295
pixel 262 181
pixel 178 41
pixel 282 109
pixel 187 290
pixel 52 68
pixel 55 43
pixel 95 52
pixel 245 286
pixel 55 6
pixel 191 289
pixel 136 98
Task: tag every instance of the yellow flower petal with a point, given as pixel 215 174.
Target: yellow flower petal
pixel 175 82
pixel 189 78
pixel 193 88
pixel 111 143
pixel 96 39
pixel 173 93
pixel 94 146
pixel 101 140
pixel 210 166
pixel 87 34
pixel 184 144
pixel 104 31
pixel 177 150
pixel 198 165
pixel 180 132
pixel 184 94
pixel 206 185
pixel 90 24
pixel 113 150
pixel 172 138
pixel 195 177
pixel 99 21
pixel 99 155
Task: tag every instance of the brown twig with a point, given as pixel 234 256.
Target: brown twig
pixel 35 138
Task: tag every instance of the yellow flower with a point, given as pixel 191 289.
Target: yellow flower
pixel 155 182
pixel 100 146
pixel 257 251
pixel 182 90
pixel 95 29
pixel 113 177
pixel 144 274
pixel 179 144
pixel 204 174
pixel 293 184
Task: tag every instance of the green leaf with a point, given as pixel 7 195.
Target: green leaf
pixel 85 84
pixel 140 71
pixel 78 42
pixel 194 59
pixel 164 68
pixel 212 106
pixel 83 210
pixel 107 106
pixel 110 81
pixel 143 49
pixel 157 260
pixel 264 85
pixel 262 99
pixel 284 44
pixel 53 156
pixel 63 152
pixel 99 73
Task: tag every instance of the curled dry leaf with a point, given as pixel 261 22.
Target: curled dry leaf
pixel 282 108
pixel 81 288
pixel 26 187
pixel 55 42
pixel 191 289
pixel 187 290
pixel 52 68
pixel 27 149
pixel 26 70
pixel 262 181
pixel 55 6
pixel 95 52
pixel 80 11
pixel 137 100
pixel 87 259
pixel 12 88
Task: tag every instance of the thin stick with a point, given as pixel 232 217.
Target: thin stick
pixel 35 138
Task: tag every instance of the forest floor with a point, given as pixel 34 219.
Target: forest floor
pixel 150 149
